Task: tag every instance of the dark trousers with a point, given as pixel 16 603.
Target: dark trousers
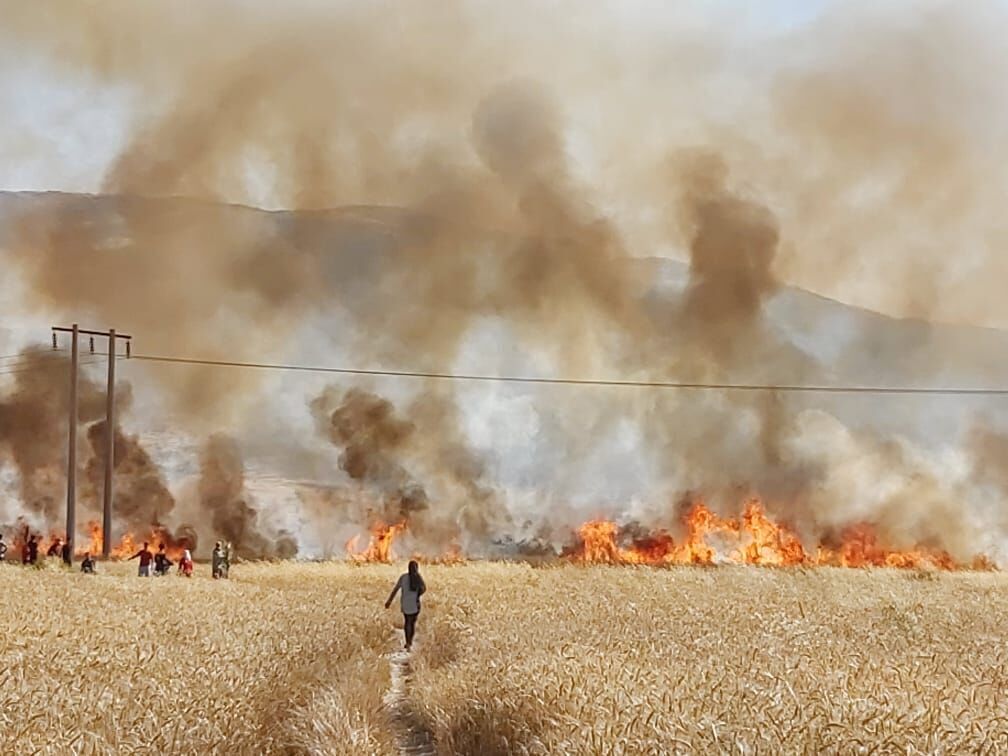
pixel 409 627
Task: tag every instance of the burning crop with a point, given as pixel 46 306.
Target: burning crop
pixel 130 543
pixel 753 538
pixel 379 548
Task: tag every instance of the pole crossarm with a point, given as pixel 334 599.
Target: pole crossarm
pixel 61 329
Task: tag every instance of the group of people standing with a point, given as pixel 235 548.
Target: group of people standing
pixel 151 564
pixel 162 564
pixel 30 550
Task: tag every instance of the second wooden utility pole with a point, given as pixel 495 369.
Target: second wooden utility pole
pixel 109 446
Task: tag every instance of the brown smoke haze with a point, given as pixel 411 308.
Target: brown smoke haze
pixel 33 436
pixel 224 499
pixel 388 452
pixel 33 418
pixel 140 494
pixel 471 183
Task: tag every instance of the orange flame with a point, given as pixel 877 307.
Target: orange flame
pixel 55 540
pixel 379 548
pixel 94 544
pixel 452 555
pixel 598 543
pixel 130 544
pixel 756 539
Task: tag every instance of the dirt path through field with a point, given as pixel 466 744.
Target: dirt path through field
pixel 411 734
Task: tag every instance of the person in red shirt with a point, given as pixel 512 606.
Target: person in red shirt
pixel 146 557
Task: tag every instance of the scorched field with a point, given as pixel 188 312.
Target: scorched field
pixel 297 658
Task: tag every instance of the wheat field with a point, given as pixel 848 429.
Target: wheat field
pixel 295 658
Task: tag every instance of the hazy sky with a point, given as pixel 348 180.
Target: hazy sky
pixel 916 200
pixel 62 129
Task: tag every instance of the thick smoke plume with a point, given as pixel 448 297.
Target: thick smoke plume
pixel 141 500
pixel 372 439
pixel 732 242
pixel 413 462
pixel 33 436
pixel 489 207
pixel 139 494
pixel 33 428
pixel 225 501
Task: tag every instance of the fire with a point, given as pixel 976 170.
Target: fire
pixel 754 538
pixel 598 543
pixel 452 555
pixel 130 544
pixel 379 548
pixel 55 539
pixel 94 545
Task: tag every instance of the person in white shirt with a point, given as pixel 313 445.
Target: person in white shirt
pixel 412 587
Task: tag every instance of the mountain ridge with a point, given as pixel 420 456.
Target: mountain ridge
pixel 389 214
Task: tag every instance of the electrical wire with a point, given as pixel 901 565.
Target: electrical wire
pixel 13 360
pixel 615 383
pixel 45 366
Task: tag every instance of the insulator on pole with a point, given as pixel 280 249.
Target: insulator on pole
pixel 127 348
pixel 91 340
pixel 54 340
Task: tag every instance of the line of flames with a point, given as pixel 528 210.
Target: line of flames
pixel 129 544
pixel 382 540
pixel 126 547
pixel 753 539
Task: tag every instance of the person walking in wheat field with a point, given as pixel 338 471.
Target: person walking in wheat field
pixel 412 587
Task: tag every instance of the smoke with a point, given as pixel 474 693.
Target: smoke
pixel 33 428
pixel 519 178
pixel 732 242
pixel 470 504
pixel 224 499
pixel 990 473
pixel 404 459
pixel 141 500
pixel 372 438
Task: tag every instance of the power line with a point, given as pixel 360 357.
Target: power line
pixel 47 360
pixel 29 367
pixel 36 356
pixel 40 358
pixel 682 385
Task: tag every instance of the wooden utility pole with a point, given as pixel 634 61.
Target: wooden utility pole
pixel 71 513
pixel 109 446
pixel 71 520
